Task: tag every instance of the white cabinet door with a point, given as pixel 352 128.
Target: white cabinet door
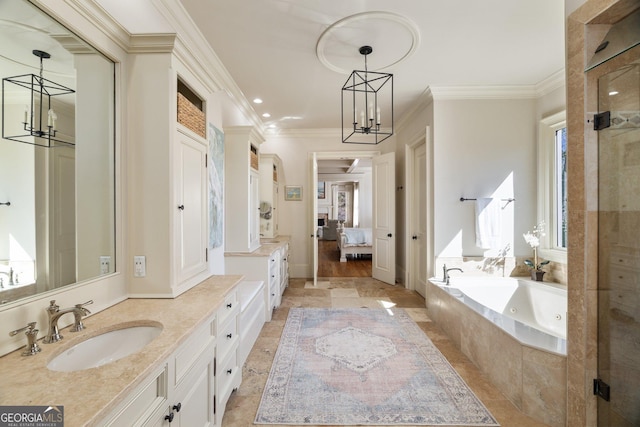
pixel 254 209
pixel 191 208
pixel 197 405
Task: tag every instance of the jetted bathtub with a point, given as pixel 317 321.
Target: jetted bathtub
pixel 515 331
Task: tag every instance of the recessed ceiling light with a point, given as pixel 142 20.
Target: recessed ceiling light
pixel 257 101
pixel 272 126
pixel 613 92
pixel 266 115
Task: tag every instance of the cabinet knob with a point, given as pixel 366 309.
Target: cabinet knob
pixel 177 407
pixel 169 417
pixel 229 305
pixel 229 371
pixel 181 207
pixel 229 336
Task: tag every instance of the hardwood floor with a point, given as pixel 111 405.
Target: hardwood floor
pixel 329 264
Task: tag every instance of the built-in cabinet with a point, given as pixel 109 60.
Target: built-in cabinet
pixel 181 392
pixel 270 179
pixel 167 196
pixel 268 264
pixel 192 387
pixel 242 189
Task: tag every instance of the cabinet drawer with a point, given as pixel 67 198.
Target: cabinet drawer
pixel 227 337
pixel 143 402
pixel 189 352
pixel 227 378
pixel 228 308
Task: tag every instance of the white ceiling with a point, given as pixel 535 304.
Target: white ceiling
pixel 271 47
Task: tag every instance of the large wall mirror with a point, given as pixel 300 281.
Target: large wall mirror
pixel 57 156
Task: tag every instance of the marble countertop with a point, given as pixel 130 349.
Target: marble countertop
pixel 89 395
pixel 267 247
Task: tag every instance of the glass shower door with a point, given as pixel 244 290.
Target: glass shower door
pixel 619 248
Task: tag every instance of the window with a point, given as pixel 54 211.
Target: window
pixel 560 188
pixel 552 186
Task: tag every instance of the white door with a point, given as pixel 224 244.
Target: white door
pixel 419 219
pixel 314 220
pixel 384 218
pixel 62 209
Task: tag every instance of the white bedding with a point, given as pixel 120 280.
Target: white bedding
pixel 354 241
pixel 357 236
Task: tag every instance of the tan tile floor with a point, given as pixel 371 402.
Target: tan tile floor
pixel 357 292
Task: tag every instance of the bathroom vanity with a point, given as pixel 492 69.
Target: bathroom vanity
pixel 269 264
pixel 183 377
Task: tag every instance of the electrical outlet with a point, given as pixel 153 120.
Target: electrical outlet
pixel 105 264
pixel 139 266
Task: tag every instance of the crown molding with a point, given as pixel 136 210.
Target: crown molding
pixel 99 18
pixel 425 98
pixel 551 83
pixel 151 43
pixel 305 133
pixel 195 51
pixel 483 92
pixel 555 81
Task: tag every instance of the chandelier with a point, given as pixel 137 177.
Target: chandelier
pixel 367 105
pixel 39 121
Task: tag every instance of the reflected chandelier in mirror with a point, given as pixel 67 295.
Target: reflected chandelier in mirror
pixel 57 193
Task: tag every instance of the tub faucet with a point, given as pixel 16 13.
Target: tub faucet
pixel 54 313
pixel 446 271
pixel 9 275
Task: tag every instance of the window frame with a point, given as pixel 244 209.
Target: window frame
pixel 547 198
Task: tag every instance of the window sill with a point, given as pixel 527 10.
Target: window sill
pixel 553 255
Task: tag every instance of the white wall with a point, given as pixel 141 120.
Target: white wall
pixel 483 148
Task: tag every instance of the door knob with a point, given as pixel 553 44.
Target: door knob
pixel 389 235
pixel 414 237
pixel 181 207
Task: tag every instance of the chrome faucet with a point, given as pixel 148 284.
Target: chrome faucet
pixel 445 273
pixel 54 313
pixel 9 275
pixel 32 335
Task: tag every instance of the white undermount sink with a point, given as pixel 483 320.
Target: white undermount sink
pixel 104 348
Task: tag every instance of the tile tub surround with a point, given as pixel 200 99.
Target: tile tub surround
pixel 535 313
pixel 533 380
pixel 89 395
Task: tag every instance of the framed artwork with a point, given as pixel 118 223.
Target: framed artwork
pixel 293 192
pixel 216 185
pixel 321 192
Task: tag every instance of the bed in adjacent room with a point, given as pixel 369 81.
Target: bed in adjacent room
pixel 354 241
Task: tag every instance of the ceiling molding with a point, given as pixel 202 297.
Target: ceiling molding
pixel 425 98
pixel 100 19
pixel 555 81
pixel 306 133
pixel 193 41
pixel 151 43
pixel 551 83
pixel 483 92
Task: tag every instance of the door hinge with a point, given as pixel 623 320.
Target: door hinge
pixel 206 161
pixel 602 389
pixel 601 120
pixel 206 254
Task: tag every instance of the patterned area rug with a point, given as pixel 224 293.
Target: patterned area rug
pixel 364 367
